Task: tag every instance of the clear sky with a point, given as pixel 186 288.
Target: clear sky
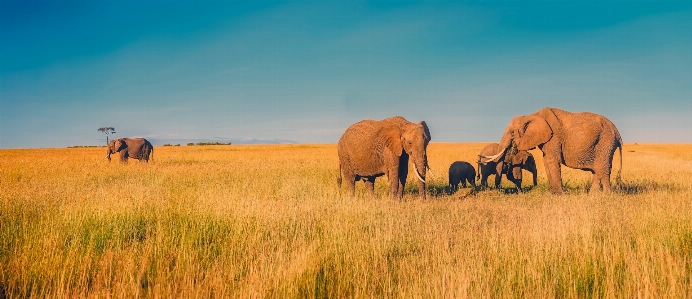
pixel 306 70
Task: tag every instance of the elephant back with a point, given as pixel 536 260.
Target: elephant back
pixel 488 150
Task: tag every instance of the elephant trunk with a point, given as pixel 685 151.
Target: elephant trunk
pixel 505 142
pixel 420 166
pixel 418 174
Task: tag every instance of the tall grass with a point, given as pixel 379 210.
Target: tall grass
pixel 269 221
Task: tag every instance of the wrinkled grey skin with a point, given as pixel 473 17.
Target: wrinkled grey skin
pixel 583 140
pixel 522 160
pixel 370 148
pixel 136 148
pixel 461 172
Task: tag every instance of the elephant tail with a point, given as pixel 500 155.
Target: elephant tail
pixel 338 178
pixel 618 179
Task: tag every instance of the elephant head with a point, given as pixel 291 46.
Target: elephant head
pixel 526 132
pixel 516 162
pixel 114 146
pixel 414 141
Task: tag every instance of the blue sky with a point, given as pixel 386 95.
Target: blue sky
pixel 305 70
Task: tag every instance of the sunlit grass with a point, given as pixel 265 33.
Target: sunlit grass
pixel 269 221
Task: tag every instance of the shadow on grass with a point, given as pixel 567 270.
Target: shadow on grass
pixel 625 187
pixel 463 192
pixel 438 191
pixel 638 187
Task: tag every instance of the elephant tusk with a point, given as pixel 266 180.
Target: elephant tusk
pixel 417 174
pixel 491 158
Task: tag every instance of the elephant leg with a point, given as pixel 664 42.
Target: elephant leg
pixel 484 176
pixel 351 180
pixel 472 181
pixel 351 186
pixel 401 184
pixel 602 168
pixel 394 186
pixel 553 171
pixel 402 174
pixel 595 182
pixel 370 185
pixel 421 190
pixel 605 181
pixel 498 175
pixel 517 183
pixel 535 176
pixel 600 179
pixel 348 175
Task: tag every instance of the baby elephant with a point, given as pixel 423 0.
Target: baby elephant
pixel 521 160
pixel 461 171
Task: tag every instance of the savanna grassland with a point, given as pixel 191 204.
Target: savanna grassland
pixel 269 221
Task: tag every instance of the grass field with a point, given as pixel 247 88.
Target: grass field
pixel 269 221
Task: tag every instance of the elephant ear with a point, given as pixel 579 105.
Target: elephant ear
pixel 535 132
pixel 519 158
pixel 426 131
pixel 119 145
pixel 392 139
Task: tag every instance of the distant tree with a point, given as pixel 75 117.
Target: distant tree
pixel 107 131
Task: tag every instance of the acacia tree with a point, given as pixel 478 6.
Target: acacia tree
pixel 107 131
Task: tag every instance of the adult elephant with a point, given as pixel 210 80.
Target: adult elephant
pixel 136 148
pixel 488 168
pixel 370 148
pixel 584 140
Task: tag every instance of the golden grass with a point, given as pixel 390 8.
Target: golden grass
pixel 269 221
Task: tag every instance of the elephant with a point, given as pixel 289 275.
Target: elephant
pixel 461 172
pixel 137 148
pixel 522 160
pixel 370 148
pixel 488 168
pixel 583 140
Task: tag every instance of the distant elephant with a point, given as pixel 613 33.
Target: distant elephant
pixel 584 140
pixel 136 148
pixel 522 160
pixel 461 172
pixel 370 148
